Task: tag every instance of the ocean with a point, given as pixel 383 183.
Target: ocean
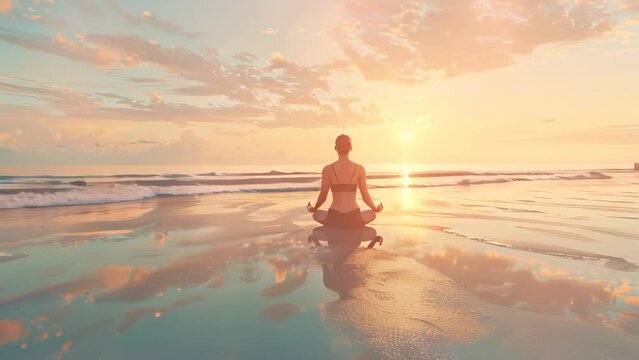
pixel 39 187
pixel 477 262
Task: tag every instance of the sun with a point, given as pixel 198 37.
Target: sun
pixel 406 135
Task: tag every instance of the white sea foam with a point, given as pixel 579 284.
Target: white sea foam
pixel 114 193
pixel 91 195
pixel 121 193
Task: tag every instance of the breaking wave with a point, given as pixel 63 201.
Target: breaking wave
pixel 131 190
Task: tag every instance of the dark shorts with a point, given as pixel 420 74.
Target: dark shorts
pixel 336 218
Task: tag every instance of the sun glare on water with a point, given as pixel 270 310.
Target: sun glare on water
pixel 407 200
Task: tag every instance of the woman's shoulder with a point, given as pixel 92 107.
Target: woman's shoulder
pixel 359 170
pixel 332 166
pixel 327 167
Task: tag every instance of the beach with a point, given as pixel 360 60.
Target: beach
pixel 535 264
pixel 319 180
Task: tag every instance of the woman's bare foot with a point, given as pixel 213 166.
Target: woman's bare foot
pixel 376 239
pixel 312 239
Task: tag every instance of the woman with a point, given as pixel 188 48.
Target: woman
pixel 342 178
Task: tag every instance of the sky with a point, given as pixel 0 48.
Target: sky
pixel 247 82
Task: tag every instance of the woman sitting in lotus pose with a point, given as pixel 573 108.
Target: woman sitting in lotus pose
pixel 343 177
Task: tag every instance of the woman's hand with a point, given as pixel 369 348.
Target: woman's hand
pixel 379 208
pixel 310 208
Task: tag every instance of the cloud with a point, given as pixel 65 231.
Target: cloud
pixel 406 40
pixel 629 5
pixel 106 51
pixel 149 19
pixel 219 78
pixel 157 110
pixel 34 18
pixel 280 93
pixel 155 98
pixel 61 46
pixel 46 20
pixel 547 121
pixel 245 57
pixel 143 80
pixel 282 80
pixel 269 31
pixel 138 142
pixel 5 6
pixel 101 8
pixel 348 113
pixel 65 98
pixel 292 83
pixel 69 104
pixel 67 132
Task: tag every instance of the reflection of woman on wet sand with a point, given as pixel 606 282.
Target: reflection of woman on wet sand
pixel 337 275
pixel 343 177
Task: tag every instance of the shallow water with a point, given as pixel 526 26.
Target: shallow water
pixel 485 271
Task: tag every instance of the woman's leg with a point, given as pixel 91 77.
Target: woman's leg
pixel 368 216
pixel 320 233
pixel 320 216
pixel 367 234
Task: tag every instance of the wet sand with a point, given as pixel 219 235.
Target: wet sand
pixel 484 271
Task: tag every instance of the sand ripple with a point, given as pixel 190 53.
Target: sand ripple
pixel 401 308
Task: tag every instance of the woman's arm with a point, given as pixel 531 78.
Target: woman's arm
pixel 366 196
pixel 326 185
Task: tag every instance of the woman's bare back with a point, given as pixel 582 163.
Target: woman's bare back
pixel 344 172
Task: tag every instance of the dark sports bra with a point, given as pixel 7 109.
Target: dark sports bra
pixel 344 187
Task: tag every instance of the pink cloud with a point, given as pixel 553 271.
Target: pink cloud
pixel 280 93
pixel 155 98
pixel 34 18
pixel 629 5
pixel 406 40
pixel 72 49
